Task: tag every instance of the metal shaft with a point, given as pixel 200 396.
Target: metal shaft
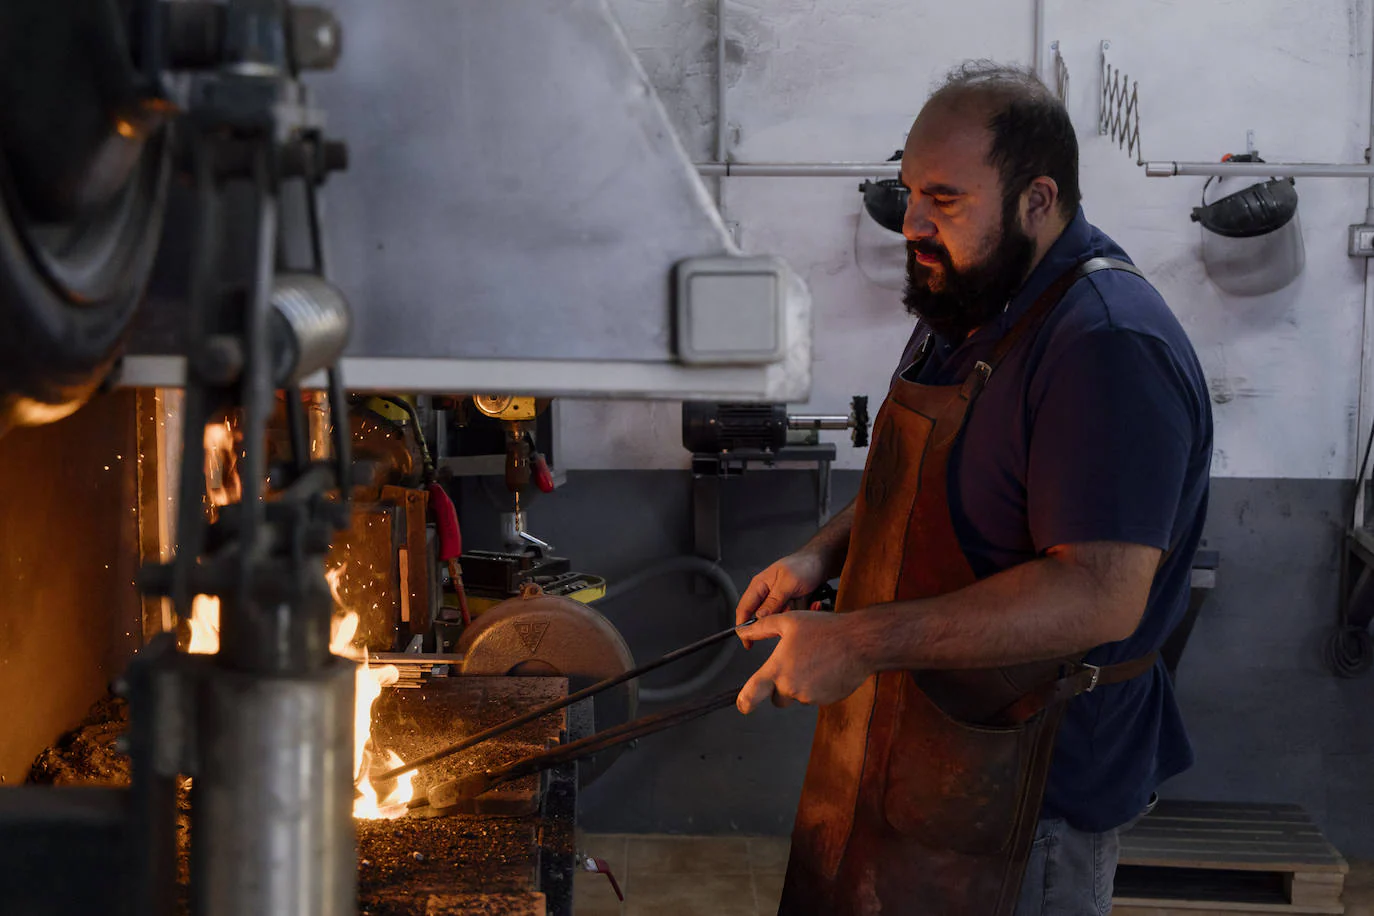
pixel 1169 169
pixel 799 169
pixel 526 718
pixel 818 421
pixel 273 796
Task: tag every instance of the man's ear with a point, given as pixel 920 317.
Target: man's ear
pixel 1039 203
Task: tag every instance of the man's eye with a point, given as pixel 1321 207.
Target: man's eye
pixel 945 203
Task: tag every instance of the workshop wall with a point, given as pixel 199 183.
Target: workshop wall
pixel 835 79
pixel 840 80
pixel 70 616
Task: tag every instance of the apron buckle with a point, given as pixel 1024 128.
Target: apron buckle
pixel 1096 676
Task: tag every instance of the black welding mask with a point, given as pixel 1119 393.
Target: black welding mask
pixel 1252 238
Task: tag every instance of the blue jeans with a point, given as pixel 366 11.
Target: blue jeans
pixel 1070 873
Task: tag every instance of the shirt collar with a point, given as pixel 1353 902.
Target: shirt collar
pixel 1067 250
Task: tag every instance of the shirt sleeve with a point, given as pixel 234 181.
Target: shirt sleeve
pixel 1111 435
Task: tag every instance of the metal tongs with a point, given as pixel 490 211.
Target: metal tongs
pixel 451 793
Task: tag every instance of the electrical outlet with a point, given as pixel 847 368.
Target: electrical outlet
pixel 1362 241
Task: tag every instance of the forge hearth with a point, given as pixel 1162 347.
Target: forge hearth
pixel 511 856
pixel 516 843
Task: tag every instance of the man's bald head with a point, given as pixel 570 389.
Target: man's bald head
pixel 1029 130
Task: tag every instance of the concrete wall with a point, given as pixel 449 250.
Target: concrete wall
pixel 837 79
pixel 841 79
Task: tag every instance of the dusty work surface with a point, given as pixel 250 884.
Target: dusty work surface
pixel 490 862
pixel 483 864
pixel 402 863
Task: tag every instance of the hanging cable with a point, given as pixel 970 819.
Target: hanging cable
pixel 718 577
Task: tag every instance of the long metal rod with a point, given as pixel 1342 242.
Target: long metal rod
pixel 799 169
pixel 1364 414
pixel 449 793
pixel 1167 169
pixel 721 124
pixel 1038 56
pixel 1369 150
pixel 526 718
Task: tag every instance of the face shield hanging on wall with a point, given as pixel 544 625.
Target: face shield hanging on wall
pixel 1252 239
pixel 879 247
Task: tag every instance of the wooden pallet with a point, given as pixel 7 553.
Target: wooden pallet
pixel 1190 857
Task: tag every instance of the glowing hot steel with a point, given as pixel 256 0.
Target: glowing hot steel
pixel 387 800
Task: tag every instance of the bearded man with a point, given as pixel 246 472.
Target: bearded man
pixel 992 704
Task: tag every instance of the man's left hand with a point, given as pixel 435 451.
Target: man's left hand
pixel 814 662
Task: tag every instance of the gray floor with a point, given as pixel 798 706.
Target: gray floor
pixel 742 876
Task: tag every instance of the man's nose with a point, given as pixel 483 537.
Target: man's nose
pixel 916 223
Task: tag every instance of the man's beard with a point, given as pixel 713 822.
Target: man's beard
pixel 972 297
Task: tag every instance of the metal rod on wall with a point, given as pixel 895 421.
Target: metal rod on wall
pixel 1039 30
pixel 721 125
pixel 1364 413
pixel 1159 169
pixel 799 169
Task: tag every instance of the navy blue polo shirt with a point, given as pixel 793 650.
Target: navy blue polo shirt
pixel 1098 429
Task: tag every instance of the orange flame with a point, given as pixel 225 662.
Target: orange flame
pixel 367 687
pixel 385 801
pixel 204 625
pixel 390 801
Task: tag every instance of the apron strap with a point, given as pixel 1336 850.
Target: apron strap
pixel 1083 678
pixel 1030 322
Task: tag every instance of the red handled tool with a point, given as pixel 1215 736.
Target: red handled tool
pixel 450 544
pixel 543 477
pixel 599 867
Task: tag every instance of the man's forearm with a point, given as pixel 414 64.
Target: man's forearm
pixel 831 543
pixel 1039 610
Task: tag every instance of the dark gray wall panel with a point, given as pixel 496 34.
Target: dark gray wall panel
pixel 1268 721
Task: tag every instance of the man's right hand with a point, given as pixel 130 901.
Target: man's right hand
pixel 792 577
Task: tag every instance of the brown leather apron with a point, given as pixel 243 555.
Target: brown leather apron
pixel 924 787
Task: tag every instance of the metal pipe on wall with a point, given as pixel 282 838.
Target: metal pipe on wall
pixel 1038 57
pixel 1369 150
pixel 1364 413
pixel 1166 169
pixel 799 169
pixel 721 124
